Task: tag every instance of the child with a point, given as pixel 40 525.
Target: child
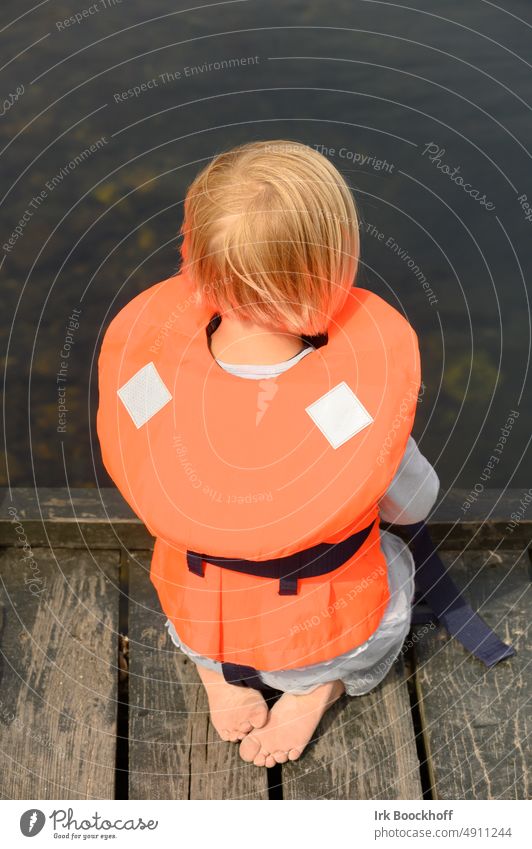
pixel 255 412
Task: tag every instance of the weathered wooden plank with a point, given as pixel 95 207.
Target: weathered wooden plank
pixel 100 518
pixel 364 749
pixel 58 650
pixel 476 720
pixel 74 518
pixel 174 751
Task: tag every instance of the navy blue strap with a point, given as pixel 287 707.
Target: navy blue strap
pixel 288 585
pixel 309 563
pixel 436 587
pixel 195 563
pixel 242 676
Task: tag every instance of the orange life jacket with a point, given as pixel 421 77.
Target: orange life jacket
pixel 258 469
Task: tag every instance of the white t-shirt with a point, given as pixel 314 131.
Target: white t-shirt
pixel 256 372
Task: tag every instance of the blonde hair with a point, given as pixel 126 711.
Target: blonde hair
pixel 271 231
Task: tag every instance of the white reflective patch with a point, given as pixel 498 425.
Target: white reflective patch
pixel 339 414
pixel 144 394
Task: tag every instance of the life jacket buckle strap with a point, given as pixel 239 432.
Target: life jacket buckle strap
pixel 195 563
pixel 288 585
pixel 290 570
pixel 242 676
pixel 437 590
pixel 309 563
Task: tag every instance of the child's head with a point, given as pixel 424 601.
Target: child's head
pixel 271 231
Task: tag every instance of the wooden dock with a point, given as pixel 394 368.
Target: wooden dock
pixel 95 701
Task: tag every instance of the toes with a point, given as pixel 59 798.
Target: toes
pixel 293 754
pixel 270 761
pixel 281 757
pixel 260 759
pixel 249 748
pixel 245 727
pixel 233 735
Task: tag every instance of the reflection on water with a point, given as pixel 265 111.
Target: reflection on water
pixel 109 115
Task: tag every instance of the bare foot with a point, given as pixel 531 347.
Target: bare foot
pixel 291 723
pixel 234 710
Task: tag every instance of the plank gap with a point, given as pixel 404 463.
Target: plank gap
pixel 417 722
pixel 275 782
pixel 122 700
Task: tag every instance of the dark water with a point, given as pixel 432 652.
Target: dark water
pixel 372 83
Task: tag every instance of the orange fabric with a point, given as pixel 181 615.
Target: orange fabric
pixel 227 470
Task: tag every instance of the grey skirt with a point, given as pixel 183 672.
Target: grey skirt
pixel 362 668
